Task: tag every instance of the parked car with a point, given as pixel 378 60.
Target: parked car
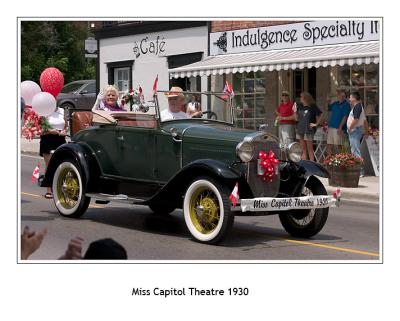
pixel 191 164
pixel 79 94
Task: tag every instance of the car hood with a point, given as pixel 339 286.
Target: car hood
pixel 207 130
pixel 208 140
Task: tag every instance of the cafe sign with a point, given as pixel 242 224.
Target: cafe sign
pixel 306 34
pixel 149 46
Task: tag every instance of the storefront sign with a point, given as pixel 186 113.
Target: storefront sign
pixel 296 35
pixel 370 153
pixel 146 46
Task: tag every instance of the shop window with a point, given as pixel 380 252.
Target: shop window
pixel 249 98
pixel 121 78
pixel 365 80
pixel 176 61
pixel 120 74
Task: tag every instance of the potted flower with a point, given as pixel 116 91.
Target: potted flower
pixel 344 169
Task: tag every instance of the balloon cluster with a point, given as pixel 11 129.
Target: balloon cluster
pixel 43 100
pixel 270 163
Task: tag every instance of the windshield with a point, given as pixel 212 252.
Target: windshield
pixel 186 105
pixel 71 87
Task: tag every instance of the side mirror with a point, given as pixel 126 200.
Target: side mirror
pixel 83 92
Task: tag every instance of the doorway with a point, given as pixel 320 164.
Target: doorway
pixel 304 80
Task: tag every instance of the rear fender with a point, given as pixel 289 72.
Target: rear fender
pixel 80 154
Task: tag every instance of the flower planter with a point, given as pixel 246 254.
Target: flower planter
pixel 344 176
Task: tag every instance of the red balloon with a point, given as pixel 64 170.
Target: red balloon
pixel 52 81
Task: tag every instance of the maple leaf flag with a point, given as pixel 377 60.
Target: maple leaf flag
pixel 155 85
pixel 228 89
pixel 234 197
pixel 36 173
pixel 337 194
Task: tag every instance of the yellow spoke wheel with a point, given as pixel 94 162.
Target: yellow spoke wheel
pixel 204 210
pixel 68 190
pixel 207 210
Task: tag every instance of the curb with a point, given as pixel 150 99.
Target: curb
pixel 348 195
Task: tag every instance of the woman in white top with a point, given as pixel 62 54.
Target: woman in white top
pixel 53 138
pixel 194 108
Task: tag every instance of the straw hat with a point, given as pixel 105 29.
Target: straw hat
pixel 175 92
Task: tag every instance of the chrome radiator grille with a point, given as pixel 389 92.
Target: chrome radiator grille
pixel 260 187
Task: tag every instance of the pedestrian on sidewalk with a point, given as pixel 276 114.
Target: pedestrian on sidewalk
pixel 286 117
pixel 339 111
pixel 309 116
pixel 357 126
pixel 53 138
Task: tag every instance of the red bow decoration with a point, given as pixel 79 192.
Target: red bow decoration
pixel 270 163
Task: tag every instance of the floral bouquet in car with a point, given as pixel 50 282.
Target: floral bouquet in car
pixel 344 169
pixel 130 97
pixel 133 97
pixel 33 124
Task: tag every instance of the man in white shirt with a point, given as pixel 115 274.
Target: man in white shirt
pixel 176 101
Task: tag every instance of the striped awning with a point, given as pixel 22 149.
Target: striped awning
pixel 321 56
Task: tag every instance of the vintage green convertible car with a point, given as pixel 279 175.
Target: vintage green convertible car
pixel 190 164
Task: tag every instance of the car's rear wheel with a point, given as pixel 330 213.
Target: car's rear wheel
pixel 207 210
pixel 69 191
pixel 306 223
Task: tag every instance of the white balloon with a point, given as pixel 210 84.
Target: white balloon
pixel 28 90
pixel 44 103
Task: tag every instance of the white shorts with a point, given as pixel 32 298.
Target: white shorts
pixel 334 138
pixel 287 133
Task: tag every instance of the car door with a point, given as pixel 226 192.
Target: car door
pixel 136 158
pixel 87 96
pixel 168 155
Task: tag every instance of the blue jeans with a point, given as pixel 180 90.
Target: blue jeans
pixel 355 142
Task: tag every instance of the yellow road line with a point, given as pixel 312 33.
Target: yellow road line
pixel 28 194
pixel 96 206
pixel 342 249
pixel 35 195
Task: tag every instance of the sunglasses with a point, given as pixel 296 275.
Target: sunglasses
pixel 285 95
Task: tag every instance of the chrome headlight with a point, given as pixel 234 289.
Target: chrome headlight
pixel 245 151
pixel 294 152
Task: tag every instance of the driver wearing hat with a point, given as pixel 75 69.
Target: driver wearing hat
pixel 176 101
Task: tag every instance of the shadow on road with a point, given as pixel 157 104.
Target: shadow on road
pixel 243 235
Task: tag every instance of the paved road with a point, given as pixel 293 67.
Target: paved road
pixel 351 233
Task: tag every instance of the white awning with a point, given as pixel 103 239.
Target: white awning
pixel 321 56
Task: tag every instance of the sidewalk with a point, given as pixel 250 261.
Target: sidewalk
pixel 367 190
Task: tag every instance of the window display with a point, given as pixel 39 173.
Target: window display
pixel 250 97
pixel 365 80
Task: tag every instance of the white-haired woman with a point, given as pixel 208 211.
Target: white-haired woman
pixel 108 100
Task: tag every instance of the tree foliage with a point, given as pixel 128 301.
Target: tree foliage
pixel 57 44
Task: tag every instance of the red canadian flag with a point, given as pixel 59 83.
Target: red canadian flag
pixel 36 173
pixel 228 89
pixel 337 194
pixel 155 85
pixel 234 197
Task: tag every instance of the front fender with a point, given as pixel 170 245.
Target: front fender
pixel 73 151
pixel 176 187
pixel 313 168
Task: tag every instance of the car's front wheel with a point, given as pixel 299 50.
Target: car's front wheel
pixel 207 210
pixel 306 223
pixel 68 190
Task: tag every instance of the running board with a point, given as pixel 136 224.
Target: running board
pixel 120 198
